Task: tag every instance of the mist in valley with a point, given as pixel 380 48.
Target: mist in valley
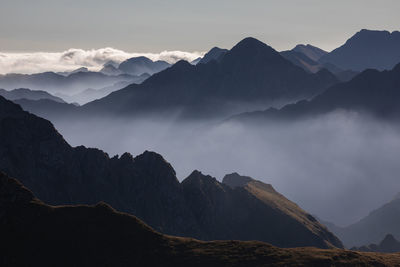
pixel 338 167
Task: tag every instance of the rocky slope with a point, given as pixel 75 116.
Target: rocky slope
pixel 34 234
pixel 146 186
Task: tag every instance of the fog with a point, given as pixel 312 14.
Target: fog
pixel 338 167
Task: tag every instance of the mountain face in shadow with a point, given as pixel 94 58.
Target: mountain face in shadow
pixel 372 228
pixel 367 50
pixel 312 52
pixel 250 74
pixel 215 53
pixel 374 92
pixel 388 245
pixel 141 65
pixel 34 233
pixel 306 57
pixel 24 93
pixel 147 187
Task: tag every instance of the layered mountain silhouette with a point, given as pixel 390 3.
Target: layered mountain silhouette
pixel 250 74
pixel 310 51
pixel 372 228
pixel 24 93
pixel 215 53
pixel 367 49
pixel 388 245
pixel 372 91
pixel 57 83
pixel 141 65
pixel 33 234
pixel 307 58
pixel 146 186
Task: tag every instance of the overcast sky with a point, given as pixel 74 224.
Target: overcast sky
pixel 157 25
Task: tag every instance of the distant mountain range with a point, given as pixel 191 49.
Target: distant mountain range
pixel 140 65
pixel 367 50
pixel 36 234
pixel 388 245
pixel 24 93
pixel 372 228
pixel 57 83
pixel 374 92
pixel 250 75
pixel 146 186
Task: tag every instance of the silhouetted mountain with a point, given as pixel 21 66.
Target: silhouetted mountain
pixel 371 91
pixel 47 108
pixel 147 187
pixel 312 52
pixel 373 227
pixel 36 234
pixel 312 66
pixel 140 65
pixel 110 69
pixel 388 245
pixel 250 75
pixel 224 212
pixel 367 50
pixel 56 83
pixel 215 53
pixel 196 61
pixel 24 93
pixel 67 73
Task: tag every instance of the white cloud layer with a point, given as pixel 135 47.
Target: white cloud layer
pixel 76 58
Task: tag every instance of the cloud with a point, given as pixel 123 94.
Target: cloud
pixel 72 59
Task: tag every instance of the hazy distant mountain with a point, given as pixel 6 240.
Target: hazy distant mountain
pixel 140 65
pixel 67 73
pixel 110 69
pixel 215 53
pixel 374 92
pixel 71 84
pixel 250 75
pixel 373 228
pixel 312 52
pixel 47 108
pixel 147 187
pixel 36 234
pixel 301 59
pixel 367 49
pixel 24 93
pixel 388 245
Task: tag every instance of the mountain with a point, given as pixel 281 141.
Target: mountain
pixel 140 65
pixel 147 186
pixel 312 52
pixel 372 91
pixel 196 61
pixel 55 83
pixel 215 53
pixel 110 69
pixel 372 228
pixel 36 234
pixel 250 75
pixel 299 56
pixel 224 210
pixel 24 93
pixel 388 245
pixel 367 50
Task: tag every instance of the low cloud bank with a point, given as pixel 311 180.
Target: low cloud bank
pixel 76 58
pixel 338 167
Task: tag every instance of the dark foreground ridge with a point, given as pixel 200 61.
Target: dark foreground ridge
pixel 146 186
pixel 36 234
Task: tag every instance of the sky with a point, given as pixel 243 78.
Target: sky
pixel 186 25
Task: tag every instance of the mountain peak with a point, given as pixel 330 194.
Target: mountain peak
pixel 236 180
pixel 214 54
